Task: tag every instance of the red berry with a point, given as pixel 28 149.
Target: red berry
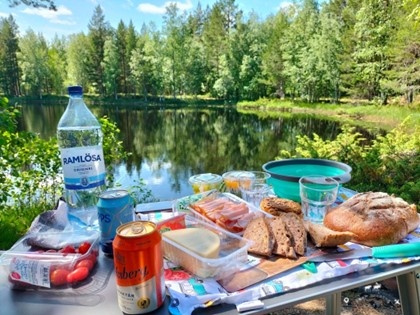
pixel 84 248
pixel 59 277
pixel 77 275
pixel 69 249
pixel 85 263
pixel 15 275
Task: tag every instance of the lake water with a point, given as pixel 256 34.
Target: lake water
pixel 170 145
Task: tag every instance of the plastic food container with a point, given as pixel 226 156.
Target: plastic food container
pixel 51 260
pixel 165 221
pixel 205 182
pixel 235 179
pixel 233 253
pixel 231 213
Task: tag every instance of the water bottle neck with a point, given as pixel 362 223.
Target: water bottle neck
pixel 76 101
pixel 76 96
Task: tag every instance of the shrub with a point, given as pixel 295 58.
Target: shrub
pixel 389 163
pixel 30 173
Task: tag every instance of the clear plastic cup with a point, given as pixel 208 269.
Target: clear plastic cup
pixel 317 194
pixel 255 193
pixel 249 179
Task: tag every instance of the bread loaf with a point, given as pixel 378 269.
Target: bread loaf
pixel 375 218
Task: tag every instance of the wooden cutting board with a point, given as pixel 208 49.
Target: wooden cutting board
pixel 265 269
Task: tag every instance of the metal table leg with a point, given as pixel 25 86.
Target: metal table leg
pixel 333 304
pixel 409 290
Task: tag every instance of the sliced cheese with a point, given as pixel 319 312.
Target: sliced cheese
pixel 201 241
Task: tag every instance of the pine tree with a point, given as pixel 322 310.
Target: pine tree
pixel 9 48
pixel 99 30
pixel 373 29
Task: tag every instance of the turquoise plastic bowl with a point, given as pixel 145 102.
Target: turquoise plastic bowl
pixel 285 174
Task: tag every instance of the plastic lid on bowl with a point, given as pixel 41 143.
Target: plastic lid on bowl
pixel 237 174
pixel 207 178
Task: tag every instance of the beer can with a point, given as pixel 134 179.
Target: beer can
pixel 115 207
pixel 138 263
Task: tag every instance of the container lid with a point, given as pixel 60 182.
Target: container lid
pixel 207 178
pixel 238 174
pixel 75 90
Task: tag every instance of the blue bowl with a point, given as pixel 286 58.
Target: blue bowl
pixel 285 174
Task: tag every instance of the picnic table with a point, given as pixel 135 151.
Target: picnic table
pixel 105 301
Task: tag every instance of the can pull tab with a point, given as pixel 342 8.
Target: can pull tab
pixel 137 228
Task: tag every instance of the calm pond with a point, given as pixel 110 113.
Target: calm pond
pixel 170 145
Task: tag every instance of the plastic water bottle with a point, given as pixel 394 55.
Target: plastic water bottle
pixel 80 141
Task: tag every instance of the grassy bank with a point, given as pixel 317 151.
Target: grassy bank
pixel 362 113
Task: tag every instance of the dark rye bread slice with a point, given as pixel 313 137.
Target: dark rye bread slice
pixel 297 232
pixel 325 237
pixel 276 205
pixel 282 243
pixel 259 233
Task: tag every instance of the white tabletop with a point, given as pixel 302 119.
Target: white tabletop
pixel 105 302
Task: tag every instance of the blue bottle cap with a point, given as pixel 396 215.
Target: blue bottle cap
pixel 75 90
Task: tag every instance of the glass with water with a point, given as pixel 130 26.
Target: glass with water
pixel 254 188
pixel 317 194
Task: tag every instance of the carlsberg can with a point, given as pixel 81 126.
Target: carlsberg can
pixel 138 262
pixel 115 207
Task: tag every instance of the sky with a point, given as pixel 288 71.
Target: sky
pixel 73 16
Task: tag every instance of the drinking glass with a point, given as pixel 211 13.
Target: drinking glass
pixel 317 194
pixel 255 192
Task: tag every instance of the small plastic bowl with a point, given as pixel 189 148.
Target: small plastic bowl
pixel 205 182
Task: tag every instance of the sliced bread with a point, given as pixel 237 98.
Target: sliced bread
pixel 282 238
pixel 276 205
pixel 297 232
pixel 259 233
pixel 325 237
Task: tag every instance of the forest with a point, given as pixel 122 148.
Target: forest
pixel 357 49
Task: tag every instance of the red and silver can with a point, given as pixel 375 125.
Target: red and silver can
pixel 138 262
pixel 115 207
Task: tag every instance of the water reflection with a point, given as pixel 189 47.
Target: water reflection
pixel 170 145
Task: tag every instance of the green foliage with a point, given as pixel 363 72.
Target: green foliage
pixel 48 4
pixel 33 57
pixel 9 44
pixel 99 30
pixel 373 29
pixel 356 49
pixel 390 163
pixel 30 179
pixel 8 115
pixel 29 184
pixel 112 146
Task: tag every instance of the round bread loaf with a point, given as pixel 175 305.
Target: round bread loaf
pixel 375 218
